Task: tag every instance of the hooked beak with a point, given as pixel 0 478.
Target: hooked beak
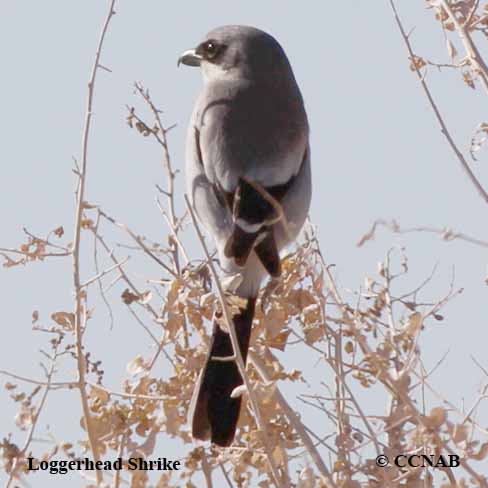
pixel 190 58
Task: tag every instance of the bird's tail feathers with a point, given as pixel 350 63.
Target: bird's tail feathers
pixel 214 410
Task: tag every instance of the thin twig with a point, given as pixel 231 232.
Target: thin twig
pixel 124 275
pixel 472 52
pixel 173 229
pixel 34 254
pixel 469 18
pixel 139 241
pixel 207 470
pixel 226 476
pixel 34 418
pixel 101 274
pixel 382 373
pixel 464 164
pixel 166 162
pixel 159 132
pixel 130 396
pixel 80 193
pixel 294 420
pixel 103 292
pixel 52 385
pixel 117 478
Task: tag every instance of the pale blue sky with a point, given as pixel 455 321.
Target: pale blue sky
pixel 376 153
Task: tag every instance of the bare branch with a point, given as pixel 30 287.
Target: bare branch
pixel 464 164
pixel 472 51
pixel 140 242
pixel 294 421
pixel 34 418
pixel 52 385
pixel 446 234
pixel 80 194
pixel 100 275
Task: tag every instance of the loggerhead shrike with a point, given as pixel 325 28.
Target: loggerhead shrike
pixel 249 182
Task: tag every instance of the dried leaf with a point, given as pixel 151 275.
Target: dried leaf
pixel 478 139
pixel 23 419
pixel 128 297
pixel 313 334
pixel 278 455
pixel 300 298
pixel 99 395
pixel 417 63
pixel 146 297
pixel 275 320
pixel 59 231
pixel 194 314
pixel 482 453
pixel 414 323
pixel 468 79
pixel 306 479
pixel 64 319
pixel 436 418
pixel 136 366
pixel 174 324
pixel 170 417
pixel 460 433
pixel 279 341
pixel 87 224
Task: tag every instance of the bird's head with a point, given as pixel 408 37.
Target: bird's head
pixel 239 52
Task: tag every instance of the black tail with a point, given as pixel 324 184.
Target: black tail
pixel 215 413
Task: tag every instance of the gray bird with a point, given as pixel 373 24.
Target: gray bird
pixel 249 181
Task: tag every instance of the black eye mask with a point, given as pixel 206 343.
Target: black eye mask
pixel 210 50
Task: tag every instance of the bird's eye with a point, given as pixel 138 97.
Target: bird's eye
pixel 210 49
